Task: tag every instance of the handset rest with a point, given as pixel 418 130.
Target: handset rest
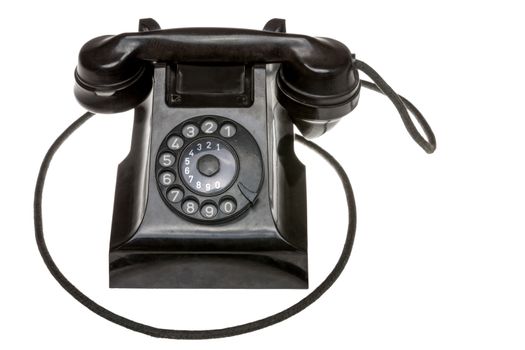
pixel 317 82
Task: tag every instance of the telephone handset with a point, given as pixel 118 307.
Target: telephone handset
pixel 211 194
pixel 316 82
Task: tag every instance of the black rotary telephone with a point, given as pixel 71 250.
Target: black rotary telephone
pixel 211 194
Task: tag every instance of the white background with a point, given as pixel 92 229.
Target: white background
pixel 439 259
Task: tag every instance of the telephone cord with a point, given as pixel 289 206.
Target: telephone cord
pixel 380 85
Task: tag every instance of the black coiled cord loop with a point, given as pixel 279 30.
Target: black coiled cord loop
pixel 401 104
pixel 190 334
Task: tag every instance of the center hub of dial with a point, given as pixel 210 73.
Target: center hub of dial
pixel 208 165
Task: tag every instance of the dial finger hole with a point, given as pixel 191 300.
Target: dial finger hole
pixel 166 159
pixel 175 142
pixel 209 126
pixel 228 206
pixel 209 210
pixel 167 178
pixel 228 130
pixel 175 195
pixel 190 131
pixel 190 206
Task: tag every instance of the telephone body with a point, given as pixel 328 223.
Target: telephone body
pixel 211 194
pixel 254 235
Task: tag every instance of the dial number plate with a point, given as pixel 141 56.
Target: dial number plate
pixel 195 169
pixel 209 169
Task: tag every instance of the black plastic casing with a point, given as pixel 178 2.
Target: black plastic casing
pixel 267 81
pixel 264 248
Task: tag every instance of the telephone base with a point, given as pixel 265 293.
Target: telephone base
pixel 241 271
pixel 154 244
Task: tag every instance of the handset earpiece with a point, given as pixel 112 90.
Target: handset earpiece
pixel 316 102
pixel 317 83
pixel 101 89
pixel 110 87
